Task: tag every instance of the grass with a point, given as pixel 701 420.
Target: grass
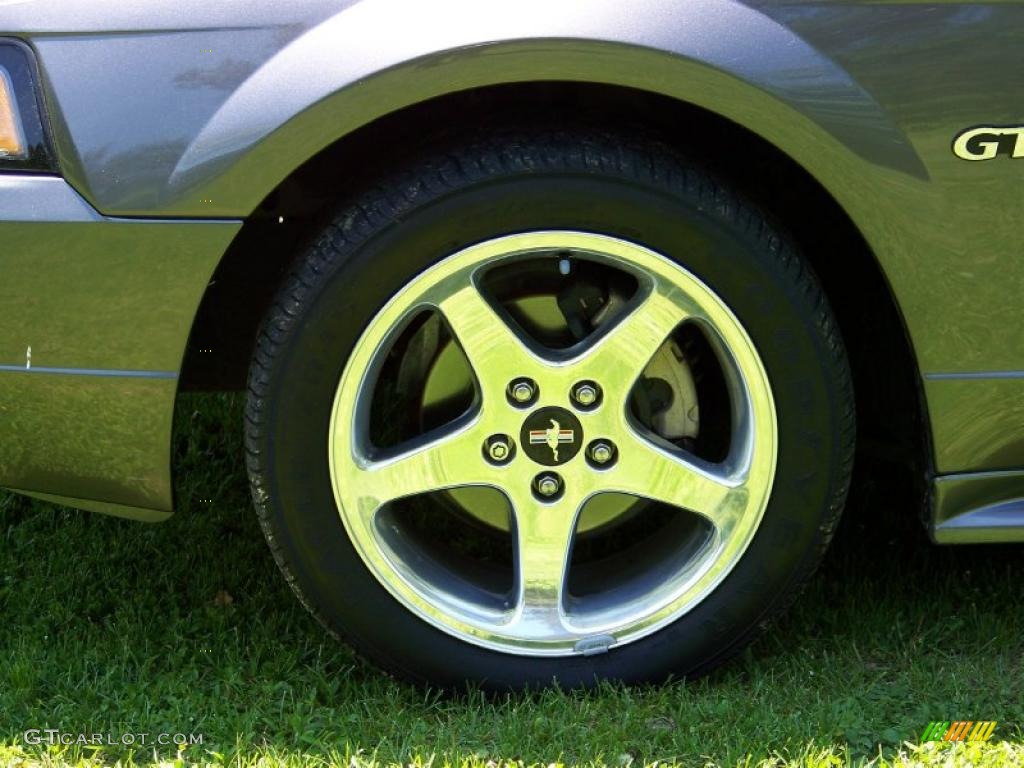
pixel 114 627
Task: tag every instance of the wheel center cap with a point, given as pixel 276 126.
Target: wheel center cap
pixel 551 436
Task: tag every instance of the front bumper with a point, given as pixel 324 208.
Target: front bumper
pixel 95 313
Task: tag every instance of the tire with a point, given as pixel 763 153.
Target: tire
pixel 621 195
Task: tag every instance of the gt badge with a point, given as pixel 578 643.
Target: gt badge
pixel 988 142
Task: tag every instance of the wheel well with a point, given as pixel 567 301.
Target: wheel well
pixel 891 423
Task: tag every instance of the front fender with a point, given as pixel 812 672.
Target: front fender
pixel 378 56
pixel 189 119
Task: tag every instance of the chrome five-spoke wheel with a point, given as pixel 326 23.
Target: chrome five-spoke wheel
pixel 568 435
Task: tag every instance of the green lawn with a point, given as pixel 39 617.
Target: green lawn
pixel 110 626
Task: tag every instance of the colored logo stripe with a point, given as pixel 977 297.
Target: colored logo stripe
pixel 541 436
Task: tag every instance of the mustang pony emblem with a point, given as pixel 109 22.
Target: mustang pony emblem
pixel 553 435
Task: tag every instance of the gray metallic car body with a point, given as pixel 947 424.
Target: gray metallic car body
pixel 172 121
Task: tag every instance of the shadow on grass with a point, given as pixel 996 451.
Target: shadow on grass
pixel 115 627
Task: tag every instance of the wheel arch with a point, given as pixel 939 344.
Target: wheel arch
pixel 721 55
pixel 892 422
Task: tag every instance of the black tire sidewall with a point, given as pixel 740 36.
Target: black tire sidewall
pixel 359 269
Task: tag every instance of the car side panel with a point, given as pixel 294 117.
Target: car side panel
pixel 197 111
pixel 953 256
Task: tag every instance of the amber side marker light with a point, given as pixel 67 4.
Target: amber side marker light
pixel 12 139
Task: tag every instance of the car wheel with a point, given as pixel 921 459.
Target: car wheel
pixel 549 405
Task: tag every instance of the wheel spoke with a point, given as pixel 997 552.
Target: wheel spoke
pixel 649 471
pixel 624 351
pixel 447 461
pixel 544 534
pixel 495 353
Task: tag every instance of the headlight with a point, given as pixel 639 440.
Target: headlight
pixel 23 140
pixel 12 139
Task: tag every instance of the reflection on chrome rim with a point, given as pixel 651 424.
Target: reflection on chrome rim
pixel 582 441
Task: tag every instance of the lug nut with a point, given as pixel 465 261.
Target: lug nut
pixel 601 452
pixel 522 391
pixel 499 448
pixel 586 394
pixel 548 485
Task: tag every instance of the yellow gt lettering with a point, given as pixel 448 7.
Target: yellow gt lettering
pixel 986 143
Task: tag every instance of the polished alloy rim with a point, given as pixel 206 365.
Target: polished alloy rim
pixel 552 430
